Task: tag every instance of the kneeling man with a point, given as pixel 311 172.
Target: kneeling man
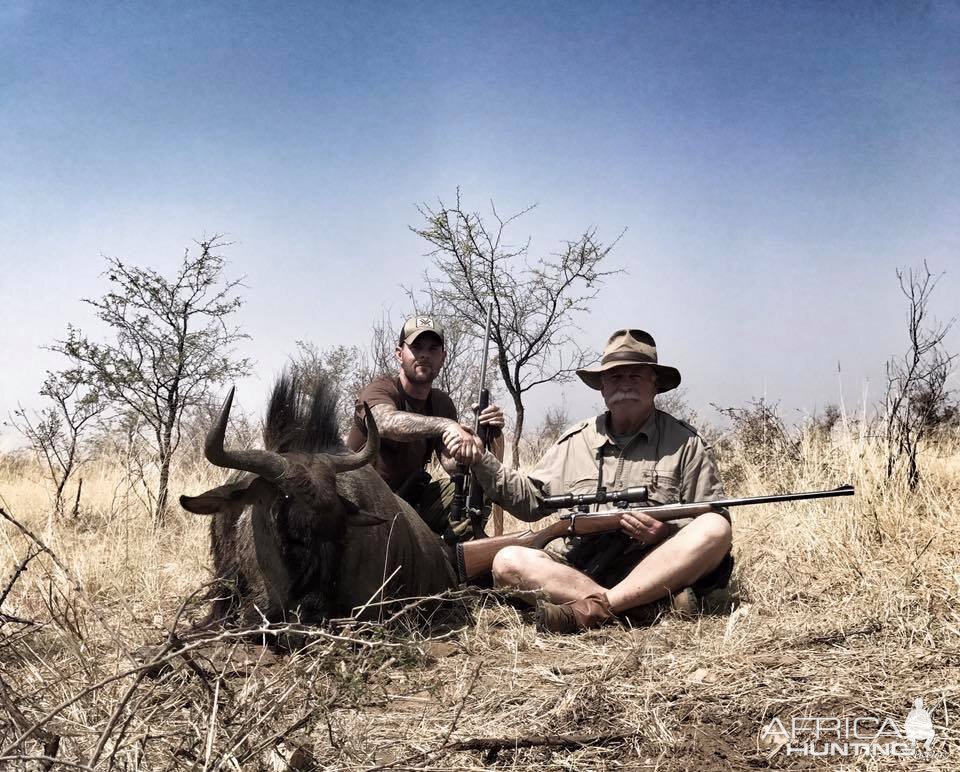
pixel 418 422
pixel 631 444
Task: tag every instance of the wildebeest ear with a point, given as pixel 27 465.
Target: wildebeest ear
pixel 217 499
pixel 366 519
pixel 357 517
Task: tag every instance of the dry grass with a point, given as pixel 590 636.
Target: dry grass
pixel 847 608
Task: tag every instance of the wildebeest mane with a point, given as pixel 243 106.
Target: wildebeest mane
pixel 300 418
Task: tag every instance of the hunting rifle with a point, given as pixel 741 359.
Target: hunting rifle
pixel 476 557
pixel 467 493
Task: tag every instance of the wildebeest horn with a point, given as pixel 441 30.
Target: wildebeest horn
pixel 350 461
pixel 262 462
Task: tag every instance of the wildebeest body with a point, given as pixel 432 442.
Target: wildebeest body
pixel 310 530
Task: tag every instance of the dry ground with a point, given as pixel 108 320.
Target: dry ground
pixel 845 608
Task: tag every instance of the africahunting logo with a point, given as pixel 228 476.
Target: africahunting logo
pixel 853 736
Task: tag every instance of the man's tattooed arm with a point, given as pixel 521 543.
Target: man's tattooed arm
pixel 397 425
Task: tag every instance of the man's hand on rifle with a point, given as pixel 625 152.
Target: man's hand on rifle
pixel 466 447
pixel 643 528
pixel 492 416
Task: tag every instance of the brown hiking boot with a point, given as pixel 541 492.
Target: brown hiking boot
pixel 592 611
pixel 685 603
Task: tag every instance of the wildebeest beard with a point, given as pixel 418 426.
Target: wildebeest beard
pixel 309 530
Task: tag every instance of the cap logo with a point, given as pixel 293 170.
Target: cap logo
pixel 424 321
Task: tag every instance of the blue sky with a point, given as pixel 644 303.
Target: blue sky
pixel 772 164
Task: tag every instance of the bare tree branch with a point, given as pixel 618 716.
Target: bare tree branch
pixel 917 399
pixel 535 301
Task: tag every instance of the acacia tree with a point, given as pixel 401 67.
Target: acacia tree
pixel 173 341
pixel 534 302
pixel 917 400
pixel 55 432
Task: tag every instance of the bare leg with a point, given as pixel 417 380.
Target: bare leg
pixel 693 552
pixel 530 569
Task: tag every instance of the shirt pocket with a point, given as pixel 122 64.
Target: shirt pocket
pixel 663 489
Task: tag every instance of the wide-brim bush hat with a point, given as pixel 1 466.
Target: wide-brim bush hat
pixel 631 347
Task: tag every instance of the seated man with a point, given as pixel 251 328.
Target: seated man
pixel 417 421
pixel 632 444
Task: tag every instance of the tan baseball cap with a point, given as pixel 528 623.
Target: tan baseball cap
pixel 415 326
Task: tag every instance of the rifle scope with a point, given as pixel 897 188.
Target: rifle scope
pixel 635 495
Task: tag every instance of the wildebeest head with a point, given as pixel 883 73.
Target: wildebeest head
pixel 305 474
pixel 311 526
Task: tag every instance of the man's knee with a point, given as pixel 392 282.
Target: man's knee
pixel 510 564
pixel 713 531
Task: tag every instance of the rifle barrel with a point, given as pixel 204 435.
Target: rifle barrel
pixel 483 363
pixel 843 490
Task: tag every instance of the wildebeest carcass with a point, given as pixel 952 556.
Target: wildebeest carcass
pixel 310 531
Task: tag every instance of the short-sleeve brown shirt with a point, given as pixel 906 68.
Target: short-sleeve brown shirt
pixel 666 455
pixel 397 461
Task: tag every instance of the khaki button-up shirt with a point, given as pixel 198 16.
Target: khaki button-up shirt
pixel 666 455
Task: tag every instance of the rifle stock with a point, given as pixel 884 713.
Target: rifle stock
pixel 475 558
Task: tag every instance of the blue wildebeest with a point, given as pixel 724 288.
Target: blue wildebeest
pixel 310 530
